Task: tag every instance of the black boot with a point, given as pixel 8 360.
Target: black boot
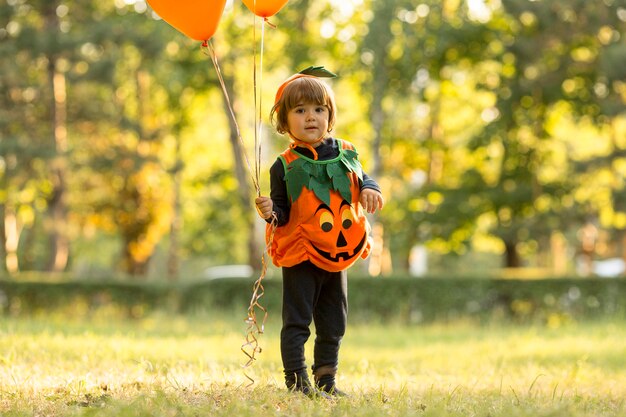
pixel 326 383
pixel 299 382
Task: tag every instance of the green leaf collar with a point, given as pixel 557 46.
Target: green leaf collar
pixel 323 176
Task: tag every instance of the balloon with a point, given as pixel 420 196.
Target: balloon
pixel 197 19
pixel 264 8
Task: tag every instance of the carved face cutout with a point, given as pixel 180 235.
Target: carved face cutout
pixel 340 237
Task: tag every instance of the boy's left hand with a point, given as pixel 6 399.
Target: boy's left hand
pixel 371 200
pixel 264 206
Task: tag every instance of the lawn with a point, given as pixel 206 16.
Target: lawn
pixel 191 366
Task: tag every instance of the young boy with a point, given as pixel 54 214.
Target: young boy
pixel 318 198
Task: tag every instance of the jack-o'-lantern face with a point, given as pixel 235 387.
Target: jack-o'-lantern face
pixel 340 237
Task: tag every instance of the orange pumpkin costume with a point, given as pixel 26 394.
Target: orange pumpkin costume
pixel 327 226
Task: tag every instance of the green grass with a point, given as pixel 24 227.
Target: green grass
pixel 183 366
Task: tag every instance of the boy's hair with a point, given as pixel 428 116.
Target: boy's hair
pixel 303 91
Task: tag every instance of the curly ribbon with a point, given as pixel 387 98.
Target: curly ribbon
pixel 251 346
pixel 255 329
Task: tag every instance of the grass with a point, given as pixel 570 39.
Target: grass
pixel 190 366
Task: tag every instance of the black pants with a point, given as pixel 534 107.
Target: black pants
pixel 310 293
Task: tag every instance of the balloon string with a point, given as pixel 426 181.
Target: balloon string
pixel 258 139
pixel 254 330
pixel 258 95
pixel 251 345
pixel 268 23
pixel 255 93
pixel 208 45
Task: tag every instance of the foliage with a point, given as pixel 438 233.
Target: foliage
pixel 402 300
pixel 491 125
pixel 515 183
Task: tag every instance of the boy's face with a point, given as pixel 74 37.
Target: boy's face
pixel 308 122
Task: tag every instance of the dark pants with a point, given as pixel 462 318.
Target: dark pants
pixel 312 294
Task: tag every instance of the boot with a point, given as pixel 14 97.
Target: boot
pixel 299 382
pixel 324 378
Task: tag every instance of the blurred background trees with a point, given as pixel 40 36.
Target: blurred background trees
pixel 496 128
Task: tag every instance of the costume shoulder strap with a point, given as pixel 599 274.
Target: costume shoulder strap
pixel 344 144
pixel 288 156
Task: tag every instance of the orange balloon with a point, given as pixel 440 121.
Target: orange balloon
pixel 197 19
pixel 264 8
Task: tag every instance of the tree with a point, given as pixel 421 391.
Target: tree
pixel 34 133
pixel 535 45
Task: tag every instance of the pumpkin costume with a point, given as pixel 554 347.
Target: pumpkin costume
pixel 310 292
pixel 319 230
pixel 326 226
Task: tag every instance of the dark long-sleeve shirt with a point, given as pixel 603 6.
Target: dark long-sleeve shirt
pixel 328 149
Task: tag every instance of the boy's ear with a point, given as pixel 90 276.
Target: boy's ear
pixel 319 71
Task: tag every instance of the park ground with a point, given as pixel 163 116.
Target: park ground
pixel 162 365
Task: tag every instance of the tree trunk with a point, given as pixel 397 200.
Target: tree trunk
pixel 245 189
pixel 558 248
pixel 380 38
pixel 11 236
pixel 59 242
pixel 511 255
pixel 138 266
pixel 435 155
pixel 131 265
pixel 3 240
pixel 624 246
pixel 173 260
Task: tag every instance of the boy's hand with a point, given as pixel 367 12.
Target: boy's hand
pixel 371 200
pixel 264 206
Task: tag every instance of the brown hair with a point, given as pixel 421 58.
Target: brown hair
pixel 303 91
